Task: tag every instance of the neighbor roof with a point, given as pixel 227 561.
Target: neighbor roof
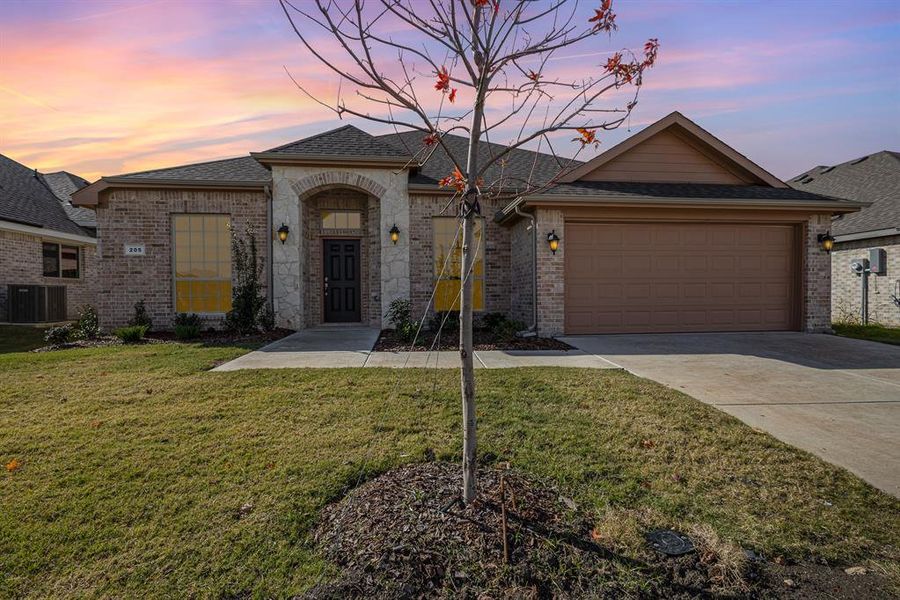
pixel 243 169
pixel 874 178
pixel 27 199
pixel 63 184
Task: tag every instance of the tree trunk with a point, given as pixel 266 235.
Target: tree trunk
pixel 467 379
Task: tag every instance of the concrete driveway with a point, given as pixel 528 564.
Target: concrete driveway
pixel 835 397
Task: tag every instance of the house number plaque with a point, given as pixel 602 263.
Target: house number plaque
pixel 135 250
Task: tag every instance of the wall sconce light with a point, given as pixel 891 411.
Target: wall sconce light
pixel 826 240
pixel 553 241
pixel 283 233
pixel 395 233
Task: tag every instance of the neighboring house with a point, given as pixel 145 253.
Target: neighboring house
pixel 41 241
pixel 873 179
pixel 671 230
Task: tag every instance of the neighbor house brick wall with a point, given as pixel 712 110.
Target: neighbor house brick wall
pixel 422 208
pixel 143 216
pixel 369 249
pixel 845 285
pixel 21 262
pixel 816 272
pixel 521 271
pixel 551 274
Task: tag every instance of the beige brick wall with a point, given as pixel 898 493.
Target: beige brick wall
pixel 21 262
pixel 143 216
pixel 496 254
pixel 521 242
pixel 370 248
pixel 551 274
pixel 845 285
pixel 816 273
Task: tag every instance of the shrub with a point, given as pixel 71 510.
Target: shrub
pixel 88 326
pixel 399 315
pixel 131 334
pixel 492 320
pixel 450 320
pixel 187 326
pixel 57 336
pixel 141 318
pixel 507 329
pixel 187 332
pixel 247 301
pixel 266 318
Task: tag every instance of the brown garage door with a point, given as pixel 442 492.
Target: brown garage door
pixel 671 277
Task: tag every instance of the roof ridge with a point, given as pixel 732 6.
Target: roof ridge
pixel 316 136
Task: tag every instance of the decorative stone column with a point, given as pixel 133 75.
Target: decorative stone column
pixel 395 282
pixel 287 258
pixel 817 277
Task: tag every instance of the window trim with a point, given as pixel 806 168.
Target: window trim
pixel 329 230
pixel 173 258
pixel 59 261
pixel 484 271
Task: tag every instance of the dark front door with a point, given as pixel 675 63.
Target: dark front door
pixel 342 291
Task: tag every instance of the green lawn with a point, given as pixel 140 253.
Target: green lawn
pixel 20 338
pixel 134 463
pixel 874 333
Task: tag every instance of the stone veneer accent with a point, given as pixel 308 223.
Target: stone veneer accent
pixel 423 207
pixel 845 285
pixel 22 262
pixel 292 185
pixel 143 216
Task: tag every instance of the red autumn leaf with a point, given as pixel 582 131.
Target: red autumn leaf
pixel 612 64
pixel 443 80
pixel 533 76
pixel 431 139
pixel 595 535
pixel 604 18
pixel 456 180
pixel 588 136
pixel 13 465
pixel 651 48
pixel 452 96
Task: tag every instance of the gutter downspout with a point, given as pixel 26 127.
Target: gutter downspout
pixel 270 272
pixel 531 331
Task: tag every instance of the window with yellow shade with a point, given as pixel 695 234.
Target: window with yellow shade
pixel 447 247
pixel 202 257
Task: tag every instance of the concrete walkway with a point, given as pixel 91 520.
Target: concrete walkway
pixel 835 397
pixel 341 347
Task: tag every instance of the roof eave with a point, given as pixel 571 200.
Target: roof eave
pixel 282 158
pixel 90 194
pixel 866 235
pixel 46 233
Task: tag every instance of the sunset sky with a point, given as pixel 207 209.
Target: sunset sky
pixel 107 87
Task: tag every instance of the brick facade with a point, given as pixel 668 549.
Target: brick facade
pixel 816 271
pixel 21 262
pixel 521 271
pixel 422 208
pixel 845 285
pixel 550 274
pixel 143 216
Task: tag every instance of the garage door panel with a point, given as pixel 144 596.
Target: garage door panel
pixel 687 277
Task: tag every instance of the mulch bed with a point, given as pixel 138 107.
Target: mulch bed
pixel 482 339
pixel 207 338
pixel 405 534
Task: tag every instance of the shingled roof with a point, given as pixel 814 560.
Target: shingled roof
pixel 63 184
pixel 243 169
pixel 343 141
pixel 27 199
pixel 874 178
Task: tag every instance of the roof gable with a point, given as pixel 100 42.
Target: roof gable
pixel 674 150
pixel 346 141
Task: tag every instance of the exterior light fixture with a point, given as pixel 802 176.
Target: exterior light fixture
pixel 283 233
pixel 395 233
pixel 553 241
pixel 826 240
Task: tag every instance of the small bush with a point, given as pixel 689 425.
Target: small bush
pixel 141 318
pixel 492 320
pixel 57 336
pixel 266 318
pixel 450 325
pixel 131 334
pixel 507 329
pixel 187 332
pixel 399 315
pixel 88 326
pixel 188 319
pixel 247 300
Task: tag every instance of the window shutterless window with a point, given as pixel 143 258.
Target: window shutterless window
pixel 447 248
pixel 341 219
pixel 202 259
pixel 61 261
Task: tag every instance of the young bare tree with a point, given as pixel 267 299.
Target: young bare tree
pixel 481 68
